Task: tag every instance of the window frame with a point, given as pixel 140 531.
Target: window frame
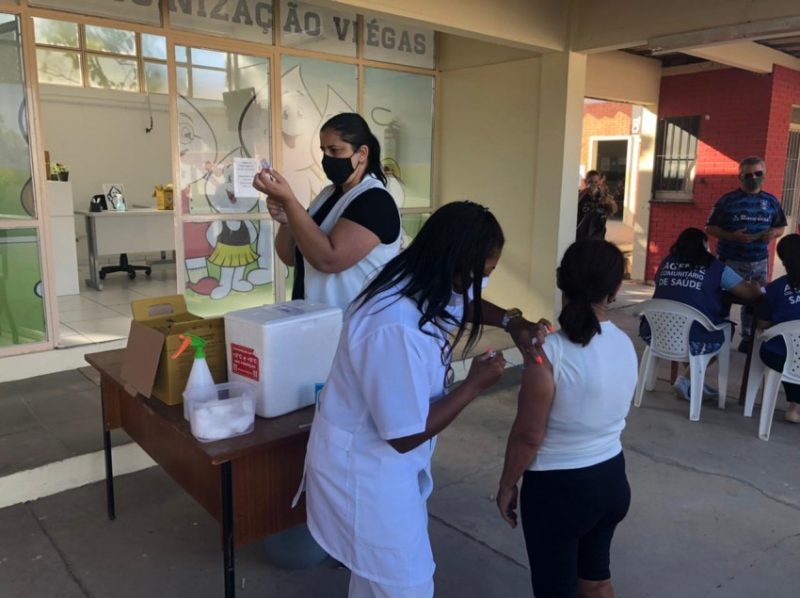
pixel 662 158
pixel 84 53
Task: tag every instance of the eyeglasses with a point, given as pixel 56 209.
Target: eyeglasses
pixel 752 175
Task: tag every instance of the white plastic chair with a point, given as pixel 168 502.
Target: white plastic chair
pixel 790 331
pixel 670 322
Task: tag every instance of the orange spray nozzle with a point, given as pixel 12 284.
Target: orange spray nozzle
pixel 188 340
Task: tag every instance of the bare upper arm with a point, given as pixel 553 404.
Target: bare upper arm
pixel 535 400
pixel 350 243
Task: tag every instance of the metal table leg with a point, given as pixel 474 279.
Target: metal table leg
pixel 109 476
pixel 91 240
pixel 227 531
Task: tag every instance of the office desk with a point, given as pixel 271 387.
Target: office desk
pixel 134 231
pixel 246 483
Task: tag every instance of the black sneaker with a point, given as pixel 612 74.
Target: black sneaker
pixel 746 345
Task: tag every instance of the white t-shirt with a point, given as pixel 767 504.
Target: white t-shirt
pixel 365 501
pixel 594 388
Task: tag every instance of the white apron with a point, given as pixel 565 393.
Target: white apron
pixel 340 288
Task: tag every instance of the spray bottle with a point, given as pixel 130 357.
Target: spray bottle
pixel 200 376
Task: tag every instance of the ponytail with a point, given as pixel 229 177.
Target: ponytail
pixel 374 165
pixel 578 321
pixel 353 129
pixel 590 272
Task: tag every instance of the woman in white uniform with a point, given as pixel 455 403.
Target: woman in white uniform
pixel 368 462
pixel 351 229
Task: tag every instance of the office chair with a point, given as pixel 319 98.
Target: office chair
pixel 124 266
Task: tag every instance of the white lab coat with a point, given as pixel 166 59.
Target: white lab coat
pixel 366 502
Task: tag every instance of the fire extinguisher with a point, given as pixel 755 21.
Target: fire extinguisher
pixel 391 137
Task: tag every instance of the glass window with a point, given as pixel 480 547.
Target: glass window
pixel 208 84
pixel 319 29
pixel 228 265
pixel 312 91
pixel 138 11
pixel 113 41
pixel 182 76
pixel 220 118
pixel 208 58
pixel 411 224
pixel 155 77
pixel 675 159
pixel 55 33
pixel 108 72
pixel 22 319
pixel 16 192
pixel 399 109
pixel 399 44
pixel 154 46
pixel 59 67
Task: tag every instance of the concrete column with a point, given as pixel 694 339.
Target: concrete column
pixel 641 224
pixel 555 211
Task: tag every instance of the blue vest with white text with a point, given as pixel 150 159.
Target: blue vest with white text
pixel 700 288
pixel 781 303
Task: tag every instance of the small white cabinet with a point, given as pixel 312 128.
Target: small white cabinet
pixel 62 232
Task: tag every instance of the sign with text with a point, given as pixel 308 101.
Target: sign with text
pixel 317 28
pixel 398 44
pixel 247 20
pixel 303 25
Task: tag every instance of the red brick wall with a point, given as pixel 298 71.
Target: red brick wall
pixel 603 119
pixel 737 114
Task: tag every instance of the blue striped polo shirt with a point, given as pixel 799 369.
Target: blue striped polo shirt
pixel 754 212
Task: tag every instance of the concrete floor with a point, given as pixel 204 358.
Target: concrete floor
pixel 50 418
pixel 715 512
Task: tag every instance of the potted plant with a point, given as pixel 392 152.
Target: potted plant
pixel 60 172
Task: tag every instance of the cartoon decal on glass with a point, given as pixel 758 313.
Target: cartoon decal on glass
pixel 226 255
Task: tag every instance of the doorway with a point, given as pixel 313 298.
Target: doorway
pixel 612 162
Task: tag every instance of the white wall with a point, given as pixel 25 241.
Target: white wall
pixel 100 136
pixel 623 77
pixel 487 151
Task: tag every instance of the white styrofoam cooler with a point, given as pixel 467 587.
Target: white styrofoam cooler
pixel 286 349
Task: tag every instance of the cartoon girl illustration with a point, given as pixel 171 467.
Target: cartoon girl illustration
pixel 232 240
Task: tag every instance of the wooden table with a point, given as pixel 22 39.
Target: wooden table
pixel 246 483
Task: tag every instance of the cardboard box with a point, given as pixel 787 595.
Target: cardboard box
pixel 164 197
pixel 154 336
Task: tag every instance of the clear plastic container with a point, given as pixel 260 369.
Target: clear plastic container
pixel 231 413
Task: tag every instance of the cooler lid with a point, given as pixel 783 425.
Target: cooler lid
pixel 290 311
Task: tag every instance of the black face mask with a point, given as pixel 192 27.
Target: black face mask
pixel 338 170
pixel 750 184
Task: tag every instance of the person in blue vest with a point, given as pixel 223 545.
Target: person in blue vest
pixel 781 303
pixel 745 221
pixel 690 274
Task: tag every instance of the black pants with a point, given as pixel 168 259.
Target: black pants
pixel 775 361
pixel 568 518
